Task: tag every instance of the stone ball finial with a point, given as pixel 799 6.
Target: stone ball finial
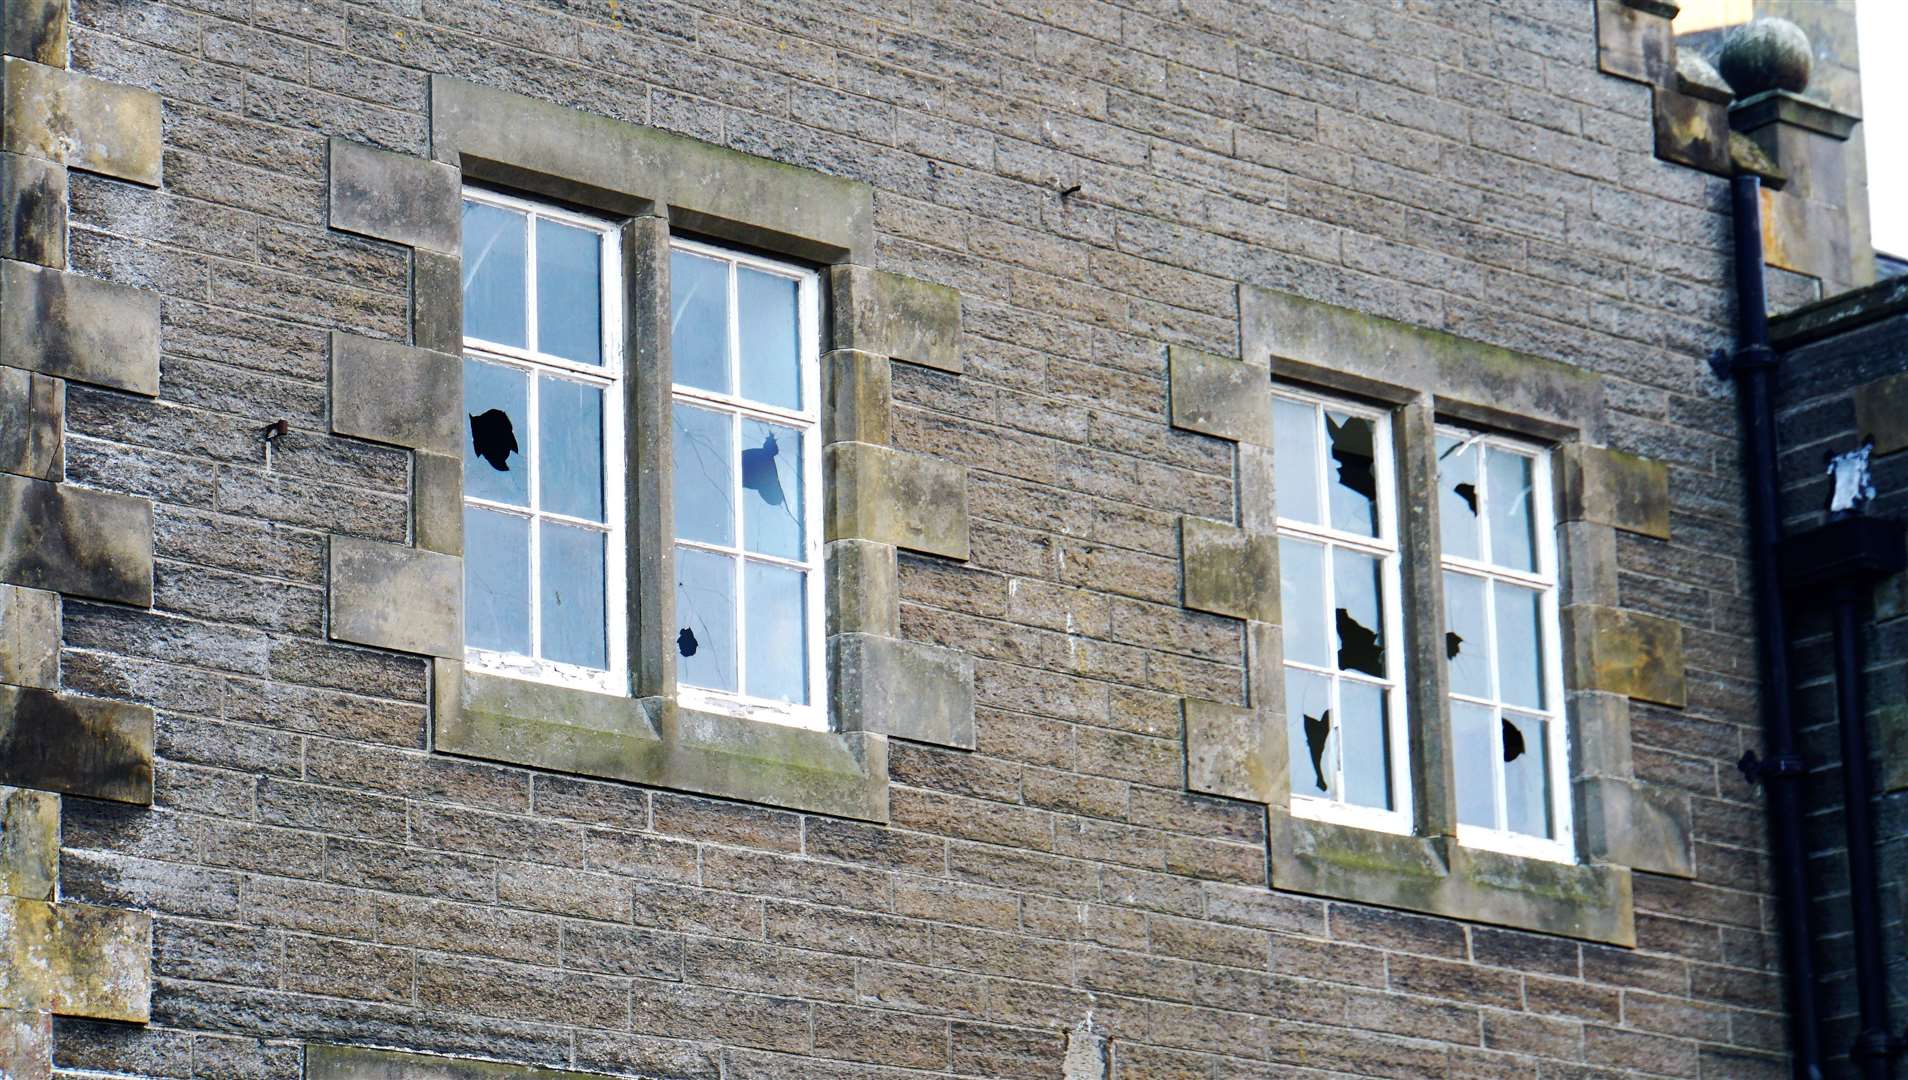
pixel 1766 54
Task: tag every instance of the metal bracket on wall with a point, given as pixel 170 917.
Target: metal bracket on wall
pixel 1755 769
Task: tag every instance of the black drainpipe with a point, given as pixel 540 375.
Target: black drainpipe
pixel 1753 368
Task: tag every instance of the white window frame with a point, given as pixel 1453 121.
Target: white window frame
pixel 1385 546
pixel 609 378
pixel 814 713
pixel 1560 847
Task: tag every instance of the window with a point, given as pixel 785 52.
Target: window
pixel 1501 645
pixel 747 452
pixel 543 468
pixel 1338 580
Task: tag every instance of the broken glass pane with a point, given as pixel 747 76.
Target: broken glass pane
pixel 1466 635
pixel 1295 460
pixel 704 481
pixel 771 365
pixel 1302 601
pixel 1513 537
pixel 772 489
pixel 1364 743
pixel 497 401
pixel 1354 471
pixel 1359 616
pixel 699 321
pixel 570 427
pixel 1472 772
pixel 777 631
pixel 494 258
pixel 496 581
pixel 1520 652
pixel 574 630
pixel 569 292
pixel 1308 728
pixel 1526 775
pixel 705 606
pixel 1457 497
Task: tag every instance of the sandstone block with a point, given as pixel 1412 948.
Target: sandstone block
pixel 399 394
pixel 1229 570
pixel 74 540
pixel 397 597
pixel 81 122
pixel 396 197
pixel 892 497
pixel 1624 652
pixel 1221 396
pixel 901 317
pixel 80 328
pixel 1613 488
pixel 902 688
pixel 32 416
pixel 75 745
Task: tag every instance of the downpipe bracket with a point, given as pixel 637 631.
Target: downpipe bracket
pixel 1759 770
pixel 1727 363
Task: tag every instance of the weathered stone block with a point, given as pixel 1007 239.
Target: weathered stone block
pixel 1226 752
pixel 1693 131
pixel 1221 396
pixel 859 387
pixel 29 637
pixel 1890 726
pixel 1624 652
pixel 356 1063
pixel 1588 551
pixel 1635 42
pixel 81 122
pixel 75 959
pixel 863 597
pixel 437 301
pixel 79 328
pixel 1612 488
pixel 32 416
pixel 892 497
pixel 74 540
pixel 1881 413
pixel 396 197
pixel 32 207
pixel 26 1040
pixel 1229 570
pixel 397 597
pixel 890 315
pixel 29 843
pixel 902 688
pixel 34 30
pixel 1635 825
pixel 437 502
pixel 399 394
pixel 75 745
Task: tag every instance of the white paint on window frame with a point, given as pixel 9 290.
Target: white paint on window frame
pixel 1561 845
pixel 1385 547
pixel 813 713
pixel 608 377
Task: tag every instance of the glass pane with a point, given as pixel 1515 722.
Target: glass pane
pixel 493 274
pixel 777 632
pixel 1508 486
pixel 772 489
pixel 699 321
pixel 496 581
pixel 574 630
pixel 1467 635
pixel 1308 729
pixel 1471 764
pixel 1457 497
pixel 1359 619
pixel 570 427
pixel 1520 648
pixel 704 480
pixel 1526 775
pixel 1295 460
pixel 569 292
pixel 496 399
pixel 705 606
pixel 771 338
pixel 1354 488
pixel 1364 743
pixel 1302 601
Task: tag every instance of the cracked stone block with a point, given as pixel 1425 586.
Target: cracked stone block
pixel 77 541
pixel 863 596
pixel 859 392
pixel 1226 752
pixel 902 688
pixel 1221 396
pixel 29 637
pixel 399 394
pixel 894 497
pixel 1229 570
pixel 75 959
pixel 1613 488
pixel 75 745
pixel 32 208
pixel 397 597
pixel 1624 652
pixel 79 328
pixel 900 317
pixel 29 843
pixel 32 419
pixel 396 197
pixel 437 502
pixel 81 122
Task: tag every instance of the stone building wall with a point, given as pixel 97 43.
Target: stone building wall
pixel 1097 180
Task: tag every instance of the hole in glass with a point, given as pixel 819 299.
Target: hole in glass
pixel 1317 730
pixel 493 438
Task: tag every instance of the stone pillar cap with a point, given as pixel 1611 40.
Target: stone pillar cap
pixel 1783 107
